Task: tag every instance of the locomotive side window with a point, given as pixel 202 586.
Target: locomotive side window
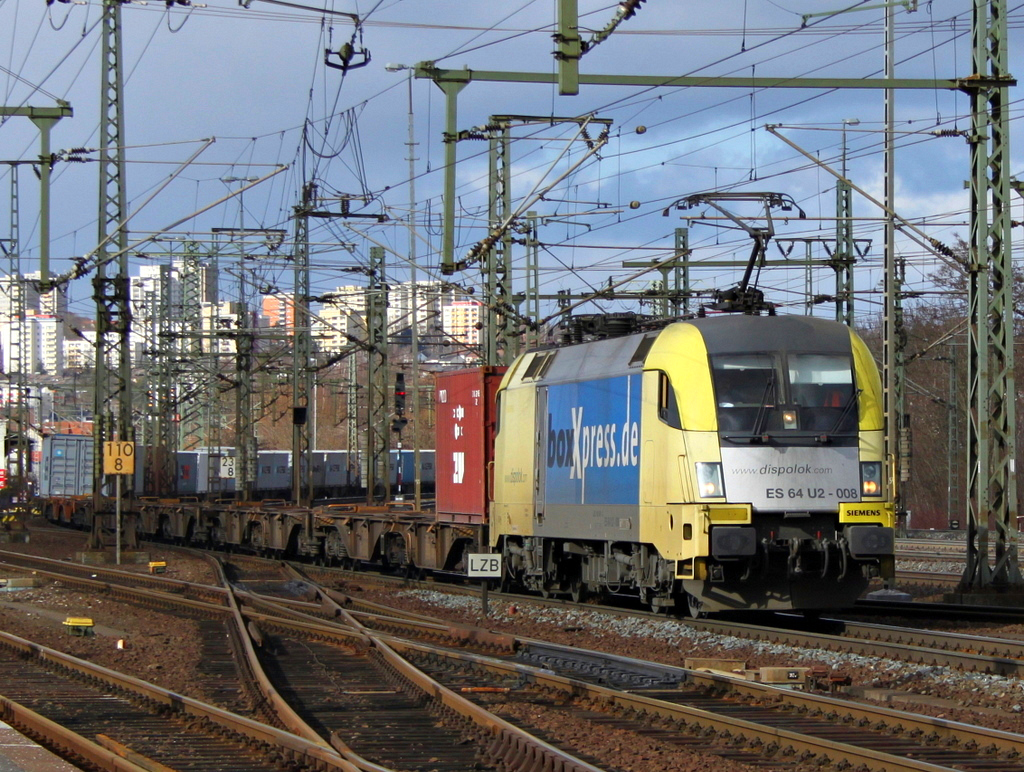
pixel 821 388
pixel 642 350
pixel 668 408
pixel 539 364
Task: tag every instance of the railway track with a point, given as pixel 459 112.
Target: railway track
pixel 954 650
pixel 98 719
pixel 727 716
pixel 958 651
pixel 375 718
pixel 906 644
pixel 295 638
pixel 790 728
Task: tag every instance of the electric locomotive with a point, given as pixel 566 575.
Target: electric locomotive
pixel 729 462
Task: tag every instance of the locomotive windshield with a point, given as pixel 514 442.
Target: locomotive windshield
pixel 765 392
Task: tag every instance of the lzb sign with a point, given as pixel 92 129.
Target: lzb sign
pixel 485 566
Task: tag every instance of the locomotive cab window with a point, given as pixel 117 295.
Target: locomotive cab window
pixel 764 393
pixel 822 391
pixel 746 391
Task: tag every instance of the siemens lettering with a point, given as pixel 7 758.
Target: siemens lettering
pixel 593 426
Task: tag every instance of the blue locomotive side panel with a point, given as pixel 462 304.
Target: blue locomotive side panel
pixel 592 451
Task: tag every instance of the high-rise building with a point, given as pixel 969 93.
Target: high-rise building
pixel 156 301
pixel 220 321
pixel 278 311
pixel 80 347
pixel 35 347
pixel 461 321
pixel 431 296
pixel 339 319
pixel 11 289
pixel 54 302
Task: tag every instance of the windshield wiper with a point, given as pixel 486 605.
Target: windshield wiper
pixel 842 416
pixel 762 411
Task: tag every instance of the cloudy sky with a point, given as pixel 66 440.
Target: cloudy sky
pixel 255 81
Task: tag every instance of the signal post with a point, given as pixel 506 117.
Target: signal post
pixel 118 460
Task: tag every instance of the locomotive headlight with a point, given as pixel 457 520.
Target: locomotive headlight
pixel 788 419
pixel 871 478
pixel 709 479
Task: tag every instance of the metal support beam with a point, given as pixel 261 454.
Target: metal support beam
pixel 681 304
pixel 570 47
pixel 532 245
pixel 501 343
pixel 844 255
pixel 155 314
pixel 991 425
pixel 377 424
pixel 196 392
pixel 451 85
pixel 245 423
pixel 44 118
pixel 673 298
pixel 303 395
pixel 465 76
pixel 16 360
pixel 112 400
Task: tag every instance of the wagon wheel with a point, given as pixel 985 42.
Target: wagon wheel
pixel 334 549
pixel 256 538
pixel 216 537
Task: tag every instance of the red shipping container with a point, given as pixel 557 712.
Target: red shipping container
pixel 466 416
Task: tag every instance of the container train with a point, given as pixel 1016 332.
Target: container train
pixel 723 463
pixel 66 470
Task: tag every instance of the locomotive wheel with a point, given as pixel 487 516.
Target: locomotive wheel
pixel 577 590
pixel 657 606
pixel 696 607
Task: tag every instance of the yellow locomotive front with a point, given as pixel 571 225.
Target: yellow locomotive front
pixel 781 433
